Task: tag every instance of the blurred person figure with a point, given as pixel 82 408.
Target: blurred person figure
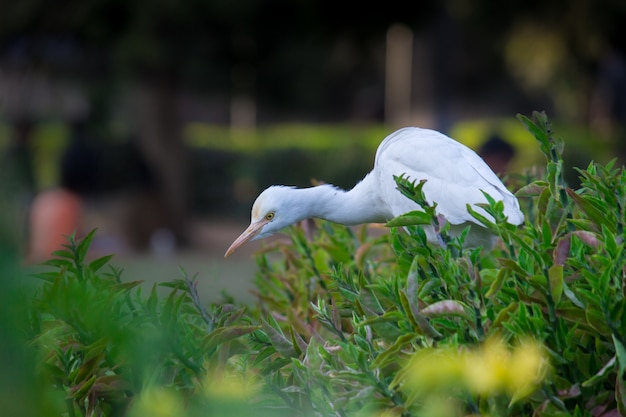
pixel 497 153
pixel 58 212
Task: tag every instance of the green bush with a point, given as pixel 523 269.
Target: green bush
pixel 351 322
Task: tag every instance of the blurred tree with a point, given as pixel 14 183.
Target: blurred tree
pixel 294 55
pixel 161 47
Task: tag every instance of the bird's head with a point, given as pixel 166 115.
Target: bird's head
pixel 273 210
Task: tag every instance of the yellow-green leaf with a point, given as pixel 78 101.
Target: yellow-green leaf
pixel 391 353
pixel 497 283
pixel 555 277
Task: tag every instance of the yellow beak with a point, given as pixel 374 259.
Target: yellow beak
pixel 247 234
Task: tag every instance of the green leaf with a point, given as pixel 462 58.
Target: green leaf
pixel 96 349
pixel 597 321
pixel 583 225
pixel 535 130
pixel 412 218
pixel 83 246
pixel 620 395
pixel 63 254
pixel 497 283
pixel 620 352
pixel 555 278
pixel 533 189
pixel 504 314
pixel 412 285
pixel 572 297
pixel 128 285
pixel 226 334
pixel 81 390
pixel 590 210
pixel 96 264
pixel 175 284
pixel 543 201
pixel 391 353
pixel 546 233
pixel 589 297
pixel 419 321
pixel 114 386
pixel 538 281
pixel 263 355
pixel 412 189
pixel 387 317
pixel 297 341
pixel 169 311
pixel 610 243
pixel 513 266
pixel 601 374
pixel 279 341
pixel 151 302
pixel 482 219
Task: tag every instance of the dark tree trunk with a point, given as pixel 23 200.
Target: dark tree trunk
pixel 160 142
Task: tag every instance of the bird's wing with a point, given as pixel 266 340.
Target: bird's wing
pixel 455 175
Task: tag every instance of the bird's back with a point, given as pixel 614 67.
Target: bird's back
pixel 455 175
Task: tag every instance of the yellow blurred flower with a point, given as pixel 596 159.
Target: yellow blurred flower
pixel 231 385
pixel 485 369
pixel 490 369
pixel 527 368
pixel 433 369
pixel 157 402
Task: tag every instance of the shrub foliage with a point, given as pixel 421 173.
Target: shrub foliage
pixel 355 322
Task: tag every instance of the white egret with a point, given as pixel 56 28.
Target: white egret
pixel 456 176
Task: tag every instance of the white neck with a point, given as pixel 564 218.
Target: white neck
pixel 359 205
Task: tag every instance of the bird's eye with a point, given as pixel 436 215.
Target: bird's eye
pixel 269 216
